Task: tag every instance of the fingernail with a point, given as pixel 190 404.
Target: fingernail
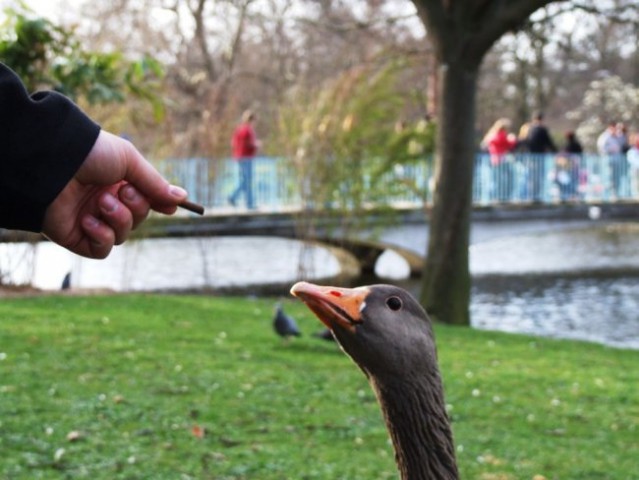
pixel 130 193
pixel 178 192
pixel 108 203
pixel 90 222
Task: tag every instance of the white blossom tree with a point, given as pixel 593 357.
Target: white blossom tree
pixel 606 100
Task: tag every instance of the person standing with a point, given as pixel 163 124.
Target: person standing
pixel 539 144
pixel 245 145
pixel 624 143
pixel 610 145
pixel 633 163
pixel 573 151
pixel 500 143
pixel 522 175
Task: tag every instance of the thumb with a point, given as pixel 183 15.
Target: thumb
pixel 114 159
pixel 148 181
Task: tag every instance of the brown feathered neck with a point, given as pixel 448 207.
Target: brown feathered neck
pixel 415 415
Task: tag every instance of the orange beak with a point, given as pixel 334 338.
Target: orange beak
pixel 333 306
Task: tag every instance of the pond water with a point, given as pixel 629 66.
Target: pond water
pixel 184 264
pixel 598 308
pixel 578 283
pixel 606 247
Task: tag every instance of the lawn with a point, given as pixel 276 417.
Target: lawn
pixel 181 387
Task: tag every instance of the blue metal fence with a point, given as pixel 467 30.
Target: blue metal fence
pixel 554 178
pixel 517 178
pixel 211 182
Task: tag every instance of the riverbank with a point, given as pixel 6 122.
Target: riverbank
pixel 145 386
pixel 21 291
pixel 597 306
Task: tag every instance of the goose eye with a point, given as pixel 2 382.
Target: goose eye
pixel 394 303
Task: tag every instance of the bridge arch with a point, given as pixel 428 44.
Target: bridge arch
pixel 367 252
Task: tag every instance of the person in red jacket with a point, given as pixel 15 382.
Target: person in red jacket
pixel 61 175
pixel 245 146
pixel 499 143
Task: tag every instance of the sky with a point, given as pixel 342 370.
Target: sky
pixel 51 9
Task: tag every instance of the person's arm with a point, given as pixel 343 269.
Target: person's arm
pixel 44 138
pixel 82 187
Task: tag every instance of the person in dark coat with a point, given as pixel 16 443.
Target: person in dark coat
pixel 539 144
pixel 62 175
pixel 567 168
pixel 573 151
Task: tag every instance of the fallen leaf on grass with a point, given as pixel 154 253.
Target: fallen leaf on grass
pixel 198 431
pixel 74 436
pixel 59 453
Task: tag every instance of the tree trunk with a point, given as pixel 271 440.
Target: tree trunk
pixel 446 280
pixel 461 32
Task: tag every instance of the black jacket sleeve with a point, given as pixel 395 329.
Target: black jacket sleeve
pixel 44 139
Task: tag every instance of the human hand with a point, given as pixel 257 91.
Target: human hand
pixel 109 196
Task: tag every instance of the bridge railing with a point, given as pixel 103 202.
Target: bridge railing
pixel 554 178
pixel 211 182
pixel 518 178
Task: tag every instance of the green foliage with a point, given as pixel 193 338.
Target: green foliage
pixel 48 56
pixel 27 44
pixel 344 140
pixel 96 77
pixel 143 80
pixel 415 145
pixel 164 387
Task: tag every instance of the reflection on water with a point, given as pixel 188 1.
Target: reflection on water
pixel 198 263
pixel 609 247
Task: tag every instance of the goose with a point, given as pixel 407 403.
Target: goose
pixel 388 334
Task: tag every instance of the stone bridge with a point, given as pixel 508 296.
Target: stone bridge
pixel 359 241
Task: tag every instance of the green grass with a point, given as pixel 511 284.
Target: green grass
pixel 133 374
